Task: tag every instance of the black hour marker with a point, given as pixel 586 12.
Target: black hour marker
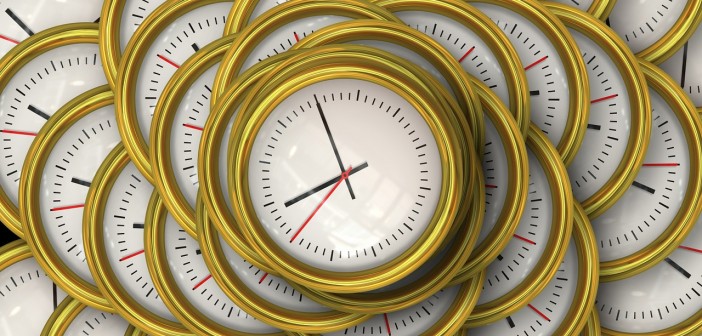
pixel 594 127
pixel 684 65
pixel 198 251
pixel 510 322
pixel 80 182
pixel 138 225
pixel 678 267
pixel 195 47
pixel 38 112
pixel 500 257
pixel 534 93
pixel 644 187
pixel 19 22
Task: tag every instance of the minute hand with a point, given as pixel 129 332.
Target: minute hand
pixel 324 185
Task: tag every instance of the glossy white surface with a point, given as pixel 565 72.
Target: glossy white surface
pixel 685 68
pixel 133 14
pixel 641 23
pixel 91 321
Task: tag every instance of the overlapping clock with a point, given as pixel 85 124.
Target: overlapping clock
pixel 350 167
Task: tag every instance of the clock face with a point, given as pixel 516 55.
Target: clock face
pixel 23 18
pixel 642 23
pixel 685 70
pixel 134 12
pixel 350 209
pixel 91 321
pixel 494 164
pixel 30 98
pixel 27 298
pixel 545 70
pixel 650 205
pixel 661 297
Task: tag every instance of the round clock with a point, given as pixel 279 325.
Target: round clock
pixel 67 57
pixel 556 76
pixel 27 295
pixel 72 318
pixel 564 307
pixel 619 124
pixel 597 8
pixel 532 257
pixel 478 45
pixel 22 19
pixel 655 29
pixel 121 18
pixel 687 73
pixel 377 239
pixel 173 32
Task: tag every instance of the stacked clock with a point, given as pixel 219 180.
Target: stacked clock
pixel 350 167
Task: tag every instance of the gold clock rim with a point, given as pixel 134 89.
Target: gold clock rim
pixel 128 74
pixel 93 238
pixel 162 128
pixel 14 252
pixel 278 16
pixel 64 315
pixel 691 207
pixel 34 233
pixel 559 234
pixel 592 328
pixel 640 128
pixel 13 61
pixel 569 55
pixel 275 88
pixel 110 39
pixel 497 42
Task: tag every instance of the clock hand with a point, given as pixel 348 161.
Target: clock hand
pixel 324 185
pixel 344 176
pixel 333 144
pixel 19 22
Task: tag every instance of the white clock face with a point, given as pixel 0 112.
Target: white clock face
pixel 659 298
pixel 350 207
pixel 91 321
pixel 652 202
pixel 133 14
pixel 21 19
pixel 33 94
pixel 182 38
pixel 472 53
pixel 543 315
pixel 523 252
pixel 546 74
pixel 410 321
pixel 496 178
pixel 641 23
pixel 69 169
pixel 123 226
pixel 196 283
pixel 685 69
pixel 609 124
pixel 27 298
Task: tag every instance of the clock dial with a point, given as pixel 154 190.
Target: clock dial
pixel 30 75
pixel 122 18
pixel 27 295
pixel 22 19
pixel 553 70
pixel 162 43
pixel 63 161
pixel 661 300
pixel 687 73
pixel 72 318
pixel 563 306
pixel 655 29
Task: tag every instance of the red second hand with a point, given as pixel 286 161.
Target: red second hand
pixel 343 177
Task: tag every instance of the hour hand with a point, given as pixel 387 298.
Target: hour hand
pixel 324 185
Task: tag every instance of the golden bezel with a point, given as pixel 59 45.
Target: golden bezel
pixel 640 127
pixel 355 31
pixel 279 16
pixel 110 39
pixel 162 128
pixel 599 8
pixel 579 312
pixel 561 229
pixel 209 241
pixel 592 328
pixel 576 73
pixel 13 61
pixel 437 277
pixel 165 282
pixel 352 62
pixel 13 252
pixel 517 186
pixel 64 316
pixel 128 73
pixel 676 37
pixel 29 208
pixel 96 255
pixel 691 206
pixel 477 22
